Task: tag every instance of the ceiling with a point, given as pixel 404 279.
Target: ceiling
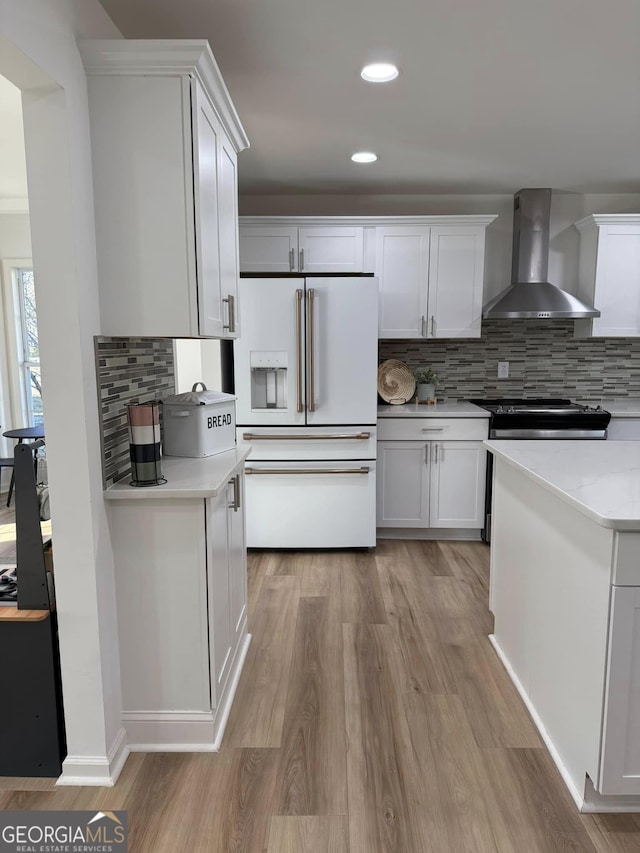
pixel 493 94
pixel 13 169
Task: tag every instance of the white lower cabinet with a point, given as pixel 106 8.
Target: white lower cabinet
pixel 431 484
pixel 620 755
pixel 403 483
pixel 181 593
pixel 458 484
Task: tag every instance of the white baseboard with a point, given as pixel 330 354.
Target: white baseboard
pixel 224 710
pixel 173 731
pixel 590 801
pixel 186 731
pixel 96 771
pixel 455 534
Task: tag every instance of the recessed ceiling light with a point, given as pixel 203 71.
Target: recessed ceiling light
pixel 364 157
pixel 379 72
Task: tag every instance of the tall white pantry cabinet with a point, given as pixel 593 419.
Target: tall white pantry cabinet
pixel 164 139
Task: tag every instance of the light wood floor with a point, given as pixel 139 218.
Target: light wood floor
pixel 372 717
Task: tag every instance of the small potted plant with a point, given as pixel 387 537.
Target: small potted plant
pixel 426 379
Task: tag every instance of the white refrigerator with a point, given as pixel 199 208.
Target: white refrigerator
pixel 305 373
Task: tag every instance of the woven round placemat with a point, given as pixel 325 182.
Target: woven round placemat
pixel 396 383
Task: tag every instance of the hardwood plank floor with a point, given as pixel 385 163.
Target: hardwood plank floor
pixel 372 716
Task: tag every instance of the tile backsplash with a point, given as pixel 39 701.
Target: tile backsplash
pixel 544 360
pixel 129 370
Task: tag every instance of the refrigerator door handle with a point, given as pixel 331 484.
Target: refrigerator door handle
pixel 347 436
pixel 311 403
pixel 299 405
pixel 363 470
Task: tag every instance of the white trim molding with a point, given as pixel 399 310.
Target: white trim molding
pixel 366 221
pixel 186 731
pixel 192 57
pixel 96 771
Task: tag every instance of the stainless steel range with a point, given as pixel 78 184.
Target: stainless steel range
pixel 538 418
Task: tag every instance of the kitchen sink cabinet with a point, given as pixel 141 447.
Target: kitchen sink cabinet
pixel 609 274
pixel 272 247
pixel 165 138
pixel 424 483
pixel 181 575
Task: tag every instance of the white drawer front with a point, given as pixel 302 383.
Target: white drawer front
pixel 297 443
pixel 436 429
pixel 311 504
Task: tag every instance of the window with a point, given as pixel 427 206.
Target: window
pixel 28 347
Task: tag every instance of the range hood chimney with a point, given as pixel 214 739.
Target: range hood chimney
pixel 530 294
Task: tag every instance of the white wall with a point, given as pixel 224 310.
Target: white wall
pixel 566 208
pixel 38 53
pixel 197 361
pixel 15 235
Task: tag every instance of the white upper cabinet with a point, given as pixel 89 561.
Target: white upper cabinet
pixel 165 138
pixel 268 248
pixel 456 278
pixel 431 278
pixel 609 274
pixel 402 267
pixel 268 245
pixel 430 268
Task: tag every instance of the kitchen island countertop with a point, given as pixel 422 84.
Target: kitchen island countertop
pixel 601 479
pixel 186 477
pixel 438 410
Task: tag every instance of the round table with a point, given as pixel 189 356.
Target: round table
pixel 22 434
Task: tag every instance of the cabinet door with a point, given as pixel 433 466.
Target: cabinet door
pixel 402 268
pixel 237 559
pixel 403 483
pixel 220 632
pixel 339 249
pixel 620 757
pixel 266 248
pixel 456 274
pixel 207 134
pixel 228 231
pixel 617 284
pixel 458 484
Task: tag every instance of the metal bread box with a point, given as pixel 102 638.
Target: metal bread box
pixel 199 423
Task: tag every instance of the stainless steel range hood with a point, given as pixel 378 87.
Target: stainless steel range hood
pixel 531 295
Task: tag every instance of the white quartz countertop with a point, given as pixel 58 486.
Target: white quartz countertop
pixel 186 478
pixel 438 410
pixel 601 479
pixel 621 408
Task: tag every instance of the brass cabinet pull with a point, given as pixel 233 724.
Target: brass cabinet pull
pixel 299 404
pixel 363 470
pixel 311 403
pixel 347 436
